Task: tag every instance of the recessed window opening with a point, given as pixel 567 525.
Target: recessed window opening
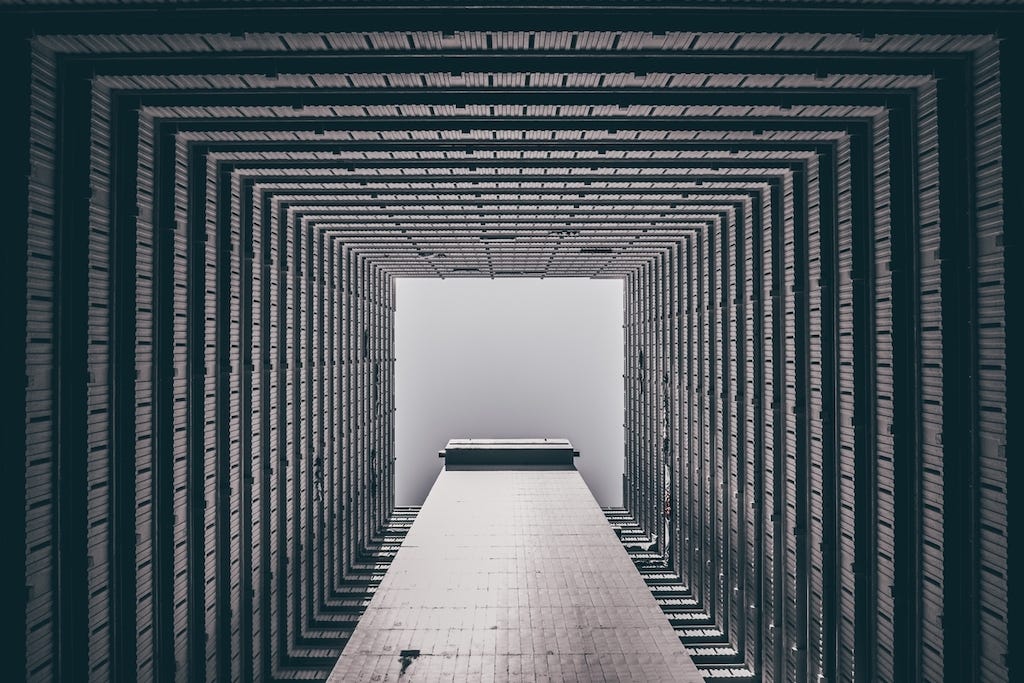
pixel 508 357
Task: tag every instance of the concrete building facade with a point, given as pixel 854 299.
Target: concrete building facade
pixel 811 206
pixel 512 572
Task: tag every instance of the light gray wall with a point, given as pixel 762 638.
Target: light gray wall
pixel 508 358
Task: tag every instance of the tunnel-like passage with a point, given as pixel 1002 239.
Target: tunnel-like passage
pixel 811 213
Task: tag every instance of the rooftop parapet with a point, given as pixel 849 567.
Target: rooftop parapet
pixel 463 453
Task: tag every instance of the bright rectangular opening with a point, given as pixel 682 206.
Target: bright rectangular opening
pixel 508 358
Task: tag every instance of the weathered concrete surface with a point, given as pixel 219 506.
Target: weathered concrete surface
pixel 513 574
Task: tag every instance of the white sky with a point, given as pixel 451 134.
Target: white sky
pixel 508 358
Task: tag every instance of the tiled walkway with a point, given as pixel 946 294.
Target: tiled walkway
pixel 513 575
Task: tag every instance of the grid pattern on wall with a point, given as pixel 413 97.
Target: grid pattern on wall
pixel 809 225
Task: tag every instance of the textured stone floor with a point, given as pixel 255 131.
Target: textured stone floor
pixel 513 575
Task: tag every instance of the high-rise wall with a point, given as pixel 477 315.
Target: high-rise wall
pixel 208 204
pixel 512 571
